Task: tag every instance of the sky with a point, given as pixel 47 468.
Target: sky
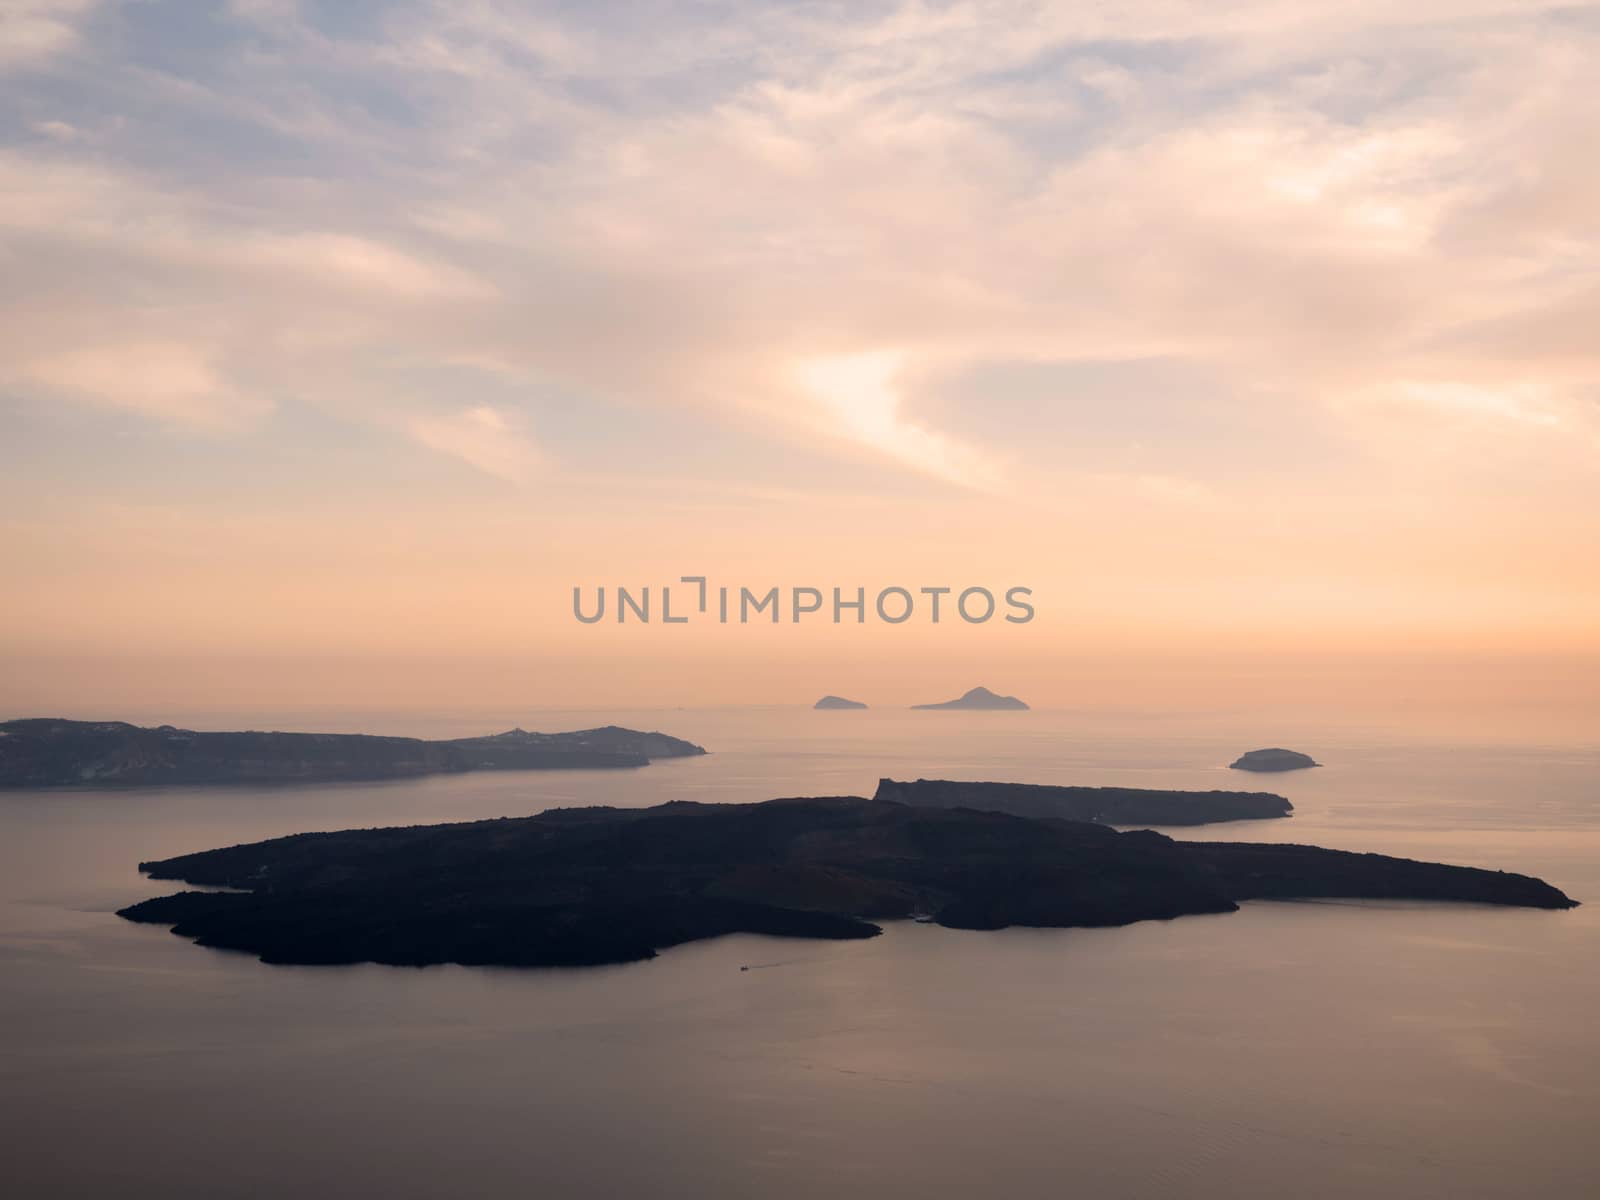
pixel 340 341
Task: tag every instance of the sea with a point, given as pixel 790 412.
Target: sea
pixel 1306 1049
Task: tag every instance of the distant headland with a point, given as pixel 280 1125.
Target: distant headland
pixel 607 885
pixel 52 752
pixel 837 702
pixel 1274 759
pixel 979 698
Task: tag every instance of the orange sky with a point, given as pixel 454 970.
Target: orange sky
pixel 1256 339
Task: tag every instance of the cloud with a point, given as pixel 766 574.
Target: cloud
pixel 346 260
pixel 1524 404
pixel 809 217
pixel 856 397
pixel 169 381
pixel 58 131
pixel 32 31
pixel 483 437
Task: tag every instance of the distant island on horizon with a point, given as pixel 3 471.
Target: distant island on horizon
pixel 979 698
pixel 837 702
pixel 582 886
pixel 1101 805
pixel 43 752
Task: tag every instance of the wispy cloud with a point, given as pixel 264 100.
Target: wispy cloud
pixel 34 30
pixel 857 397
pixel 812 215
pixel 482 436
pixel 172 382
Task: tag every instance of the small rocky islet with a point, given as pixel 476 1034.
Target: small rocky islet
pixel 979 699
pixel 1273 759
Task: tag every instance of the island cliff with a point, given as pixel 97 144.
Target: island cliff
pixel 49 752
pixel 979 698
pixel 837 702
pixel 602 885
pixel 1104 805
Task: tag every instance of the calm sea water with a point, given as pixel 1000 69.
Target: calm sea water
pixel 1309 1049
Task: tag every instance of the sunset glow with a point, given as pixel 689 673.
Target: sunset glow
pixel 340 342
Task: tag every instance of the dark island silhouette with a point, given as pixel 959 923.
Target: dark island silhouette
pixel 51 752
pixel 607 885
pixel 1275 759
pixel 1105 805
pixel 837 702
pixel 979 698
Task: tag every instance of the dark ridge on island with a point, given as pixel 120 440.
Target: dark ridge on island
pixel 1103 805
pixel 1273 760
pixel 837 702
pixel 607 885
pixel 979 698
pixel 50 752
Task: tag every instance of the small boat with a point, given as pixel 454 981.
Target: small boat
pixel 922 918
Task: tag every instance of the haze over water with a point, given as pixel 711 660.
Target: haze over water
pixel 1312 1049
